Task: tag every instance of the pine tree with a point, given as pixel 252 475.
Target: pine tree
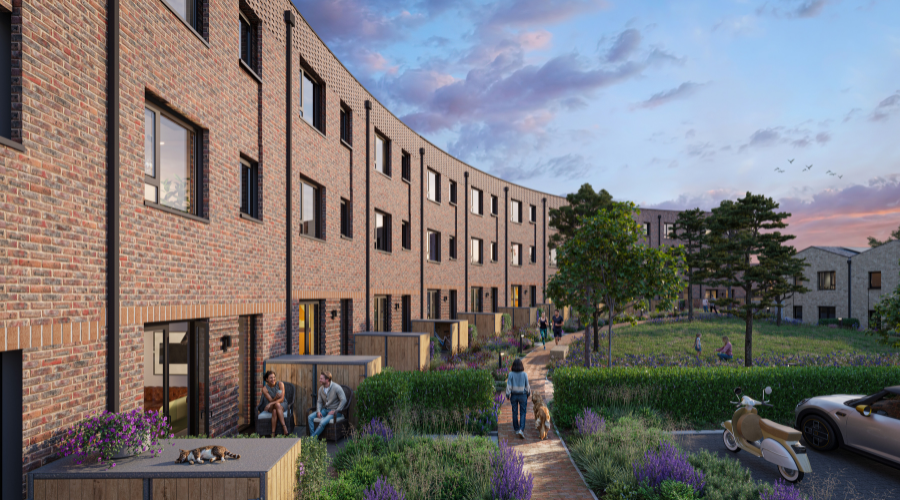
pixel 690 227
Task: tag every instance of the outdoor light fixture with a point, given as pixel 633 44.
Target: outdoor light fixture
pixel 333 313
pixel 500 359
pixel 226 343
pixel 487 294
pixel 521 341
pixel 396 306
pixel 445 298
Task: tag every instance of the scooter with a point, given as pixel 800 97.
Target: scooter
pixel 763 438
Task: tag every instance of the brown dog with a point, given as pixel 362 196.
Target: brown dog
pixel 541 415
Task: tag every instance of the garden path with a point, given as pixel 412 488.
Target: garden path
pixel 555 476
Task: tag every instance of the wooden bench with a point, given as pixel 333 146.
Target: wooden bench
pixel 559 353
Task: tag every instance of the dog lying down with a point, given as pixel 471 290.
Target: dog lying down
pixel 541 415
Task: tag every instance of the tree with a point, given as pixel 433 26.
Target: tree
pixel 887 320
pixel 792 269
pixel 565 220
pixel 744 251
pixel 874 242
pixel 690 227
pixel 603 262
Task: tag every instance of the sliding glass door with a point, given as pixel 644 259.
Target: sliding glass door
pixel 176 380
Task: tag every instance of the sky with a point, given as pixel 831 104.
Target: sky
pixel 670 104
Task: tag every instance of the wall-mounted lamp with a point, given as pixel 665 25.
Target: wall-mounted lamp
pixel 396 306
pixel 226 343
pixel 487 294
pixel 333 313
pixel 445 298
pixel 526 291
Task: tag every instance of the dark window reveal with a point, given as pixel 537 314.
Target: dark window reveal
pixel 249 43
pixel 405 165
pixel 433 246
pixel 406 235
pixel 346 125
pixel 382 231
pixel 250 188
pixel 346 219
pixel 453 247
pixel 453 192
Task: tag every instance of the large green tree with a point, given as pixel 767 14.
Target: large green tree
pixel 566 219
pixel 604 262
pixel 875 242
pixel 744 251
pixel 690 227
pixel 887 319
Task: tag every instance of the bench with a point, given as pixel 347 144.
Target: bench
pixel 559 353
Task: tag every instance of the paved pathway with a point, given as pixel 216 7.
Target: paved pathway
pixel 555 476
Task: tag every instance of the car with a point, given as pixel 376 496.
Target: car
pixel 869 425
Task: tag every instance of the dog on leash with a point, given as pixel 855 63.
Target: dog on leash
pixel 541 415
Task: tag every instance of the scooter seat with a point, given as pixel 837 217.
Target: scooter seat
pixel 779 431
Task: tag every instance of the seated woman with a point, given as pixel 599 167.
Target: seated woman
pixel 272 400
pixel 724 352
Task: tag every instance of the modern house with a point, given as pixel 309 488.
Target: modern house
pixel 845 282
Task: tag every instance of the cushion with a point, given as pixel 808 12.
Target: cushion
pixel 265 414
pixel 339 419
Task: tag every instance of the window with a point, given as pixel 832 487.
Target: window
pixel 250 188
pixel 532 214
pixel 516 253
pixel 646 226
pixel 405 165
pixel 798 313
pixel 309 210
pixel 493 251
pixel 453 304
pixel 515 296
pixel 477 251
pixel 453 192
pixel 312 107
pixel 249 43
pixel 532 255
pixel 495 205
pixel 382 231
pixel 533 295
pixel 191 11
pixel 382 320
pixel 433 246
pixel 171 165
pixel 875 280
pixel 453 247
pixel 434 186
pixel 477 197
pixel 6 74
pixel 888 405
pixel 826 280
pixel 346 325
pixel 406 312
pixel 553 257
pixel 475 303
pixel 826 312
pixel 434 304
pixel 382 154
pixel 346 125
pixel 405 235
pixel 515 211
pixel 669 231
pixel 346 220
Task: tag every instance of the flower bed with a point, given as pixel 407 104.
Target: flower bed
pixel 104 435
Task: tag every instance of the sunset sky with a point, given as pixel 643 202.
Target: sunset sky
pixel 672 104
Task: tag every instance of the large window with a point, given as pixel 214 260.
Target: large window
pixel 310 341
pixel 5 74
pixel 477 199
pixel 515 211
pixel 434 304
pixel 532 255
pixel 434 186
pixel 191 11
pixel 382 231
pixel 249 188
pixel 453 192
pixel 382 154
pixel 249 43
pixel 309 210
pixel 826 280
pixel 312 105
pixel 515 296
pixel 875 280
pixel 171 165
pixel 798 313
pixel 516 253
pixel 494 255
pixel 405 165
pixel 646 226
pixel 495 205
pixel 452 246
pixel 406 235
pixel 827 312
pixel 346 124
pixel 433 246
pixel 477 251
pixel 669 231
pixel 475 302
pixel 346 219
pixel 382 312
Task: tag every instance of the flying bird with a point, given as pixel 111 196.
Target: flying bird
pixel 808 167
pixel 791 160
pixel 779 170
pixel 828 172
pixel 840 176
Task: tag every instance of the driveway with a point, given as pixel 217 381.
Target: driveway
pixel 837 475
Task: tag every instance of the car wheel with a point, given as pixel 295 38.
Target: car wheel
pixel 819 433
pixel 790 475
pixel 730 443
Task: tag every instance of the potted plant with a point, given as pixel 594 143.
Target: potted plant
pixel 108 436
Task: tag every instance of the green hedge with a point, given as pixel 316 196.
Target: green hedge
pixel 701 395
pixel 450 390
pixel 843 322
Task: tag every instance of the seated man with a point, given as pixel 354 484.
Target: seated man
pixel 329 403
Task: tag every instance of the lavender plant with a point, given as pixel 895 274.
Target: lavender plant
pixel 509 480
pixel 382 490
pixel 376 427
pixel 781 491
pixel 589 423
pixel 102 435
pixel 667 464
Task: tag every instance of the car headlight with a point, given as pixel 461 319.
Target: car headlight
pixel 801 403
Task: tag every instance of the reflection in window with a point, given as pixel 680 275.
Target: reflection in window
pixel 308 209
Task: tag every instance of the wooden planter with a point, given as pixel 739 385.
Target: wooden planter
pixel 489 325
pixel 402 351
pixel 521 316
pixel 303 372
pixel 265 471
pixel 455 332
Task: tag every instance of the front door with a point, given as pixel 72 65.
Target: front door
pixel 307 319
pixel 11 424
pixel 452 304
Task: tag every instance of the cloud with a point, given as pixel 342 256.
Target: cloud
pixel 823 137
pixel 886 107
pixel 341 22
pixel 624 46
pixel 686 89
pixel 570 166
pixel 527 13
pixel 795 9
pixel 705 200
pixel 763 138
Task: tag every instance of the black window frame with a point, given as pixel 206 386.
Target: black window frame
pixel 382 315
pixel 406 235
pixel 827 312
pixel 477 257
pixel 249 41
pixel 196 202
pixel 249 188
pixel 453 192
pixel 383 240
pixel 532 213
pixel 437 185
pixel 872 275
pixel 405 165
pixel 823 280
pixel 494 252
pixel 669 230
pixel 517 258
pixel 433 303
pixel 318 192
pixel 452 247
pixel 318 100
pixel 515 295
pixel 476 299
pixel 433 245
pixel 346 218
pixel 386 152
pixel 533 299
pixel 196 16
pixel 495 205
pixel 6 62
pixel 346 124
pixel 532 254
pixel 798 313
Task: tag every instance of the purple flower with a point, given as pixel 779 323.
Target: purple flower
pixel 668 464
pixel 382 490
pixel 510 481
pixel 590 423
pixel 782 491
pixel 376 427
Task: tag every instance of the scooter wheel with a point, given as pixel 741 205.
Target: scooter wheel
pixel 730 442
pixel 790 475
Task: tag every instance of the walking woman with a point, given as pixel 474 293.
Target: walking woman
pixel 518 390
pixel 542 324
pixel 272 400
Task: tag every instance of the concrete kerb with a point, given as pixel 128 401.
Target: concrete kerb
pixel 686 433
pixel 565 447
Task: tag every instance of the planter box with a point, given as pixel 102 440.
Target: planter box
pixel 559 353
pixel 489 324
pixel 454 332
pixel 303 372
pixel 402 351
pixel 521 316
pixel 265 471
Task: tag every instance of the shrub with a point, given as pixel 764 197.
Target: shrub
pixel 473 335
pixel 781 491
pixel 589 423
pixel 674 390
pixel 667 464
pixel 726 478
pixel 673 490
pixel 382 490
pixel 510 481
pixel 312 468
pixel 506 323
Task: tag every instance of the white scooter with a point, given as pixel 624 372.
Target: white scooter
pixel 763 438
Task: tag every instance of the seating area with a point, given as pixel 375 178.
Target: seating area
pixel 338 428
pixel 264 418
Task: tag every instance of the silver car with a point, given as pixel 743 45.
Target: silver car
pixel 867 424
